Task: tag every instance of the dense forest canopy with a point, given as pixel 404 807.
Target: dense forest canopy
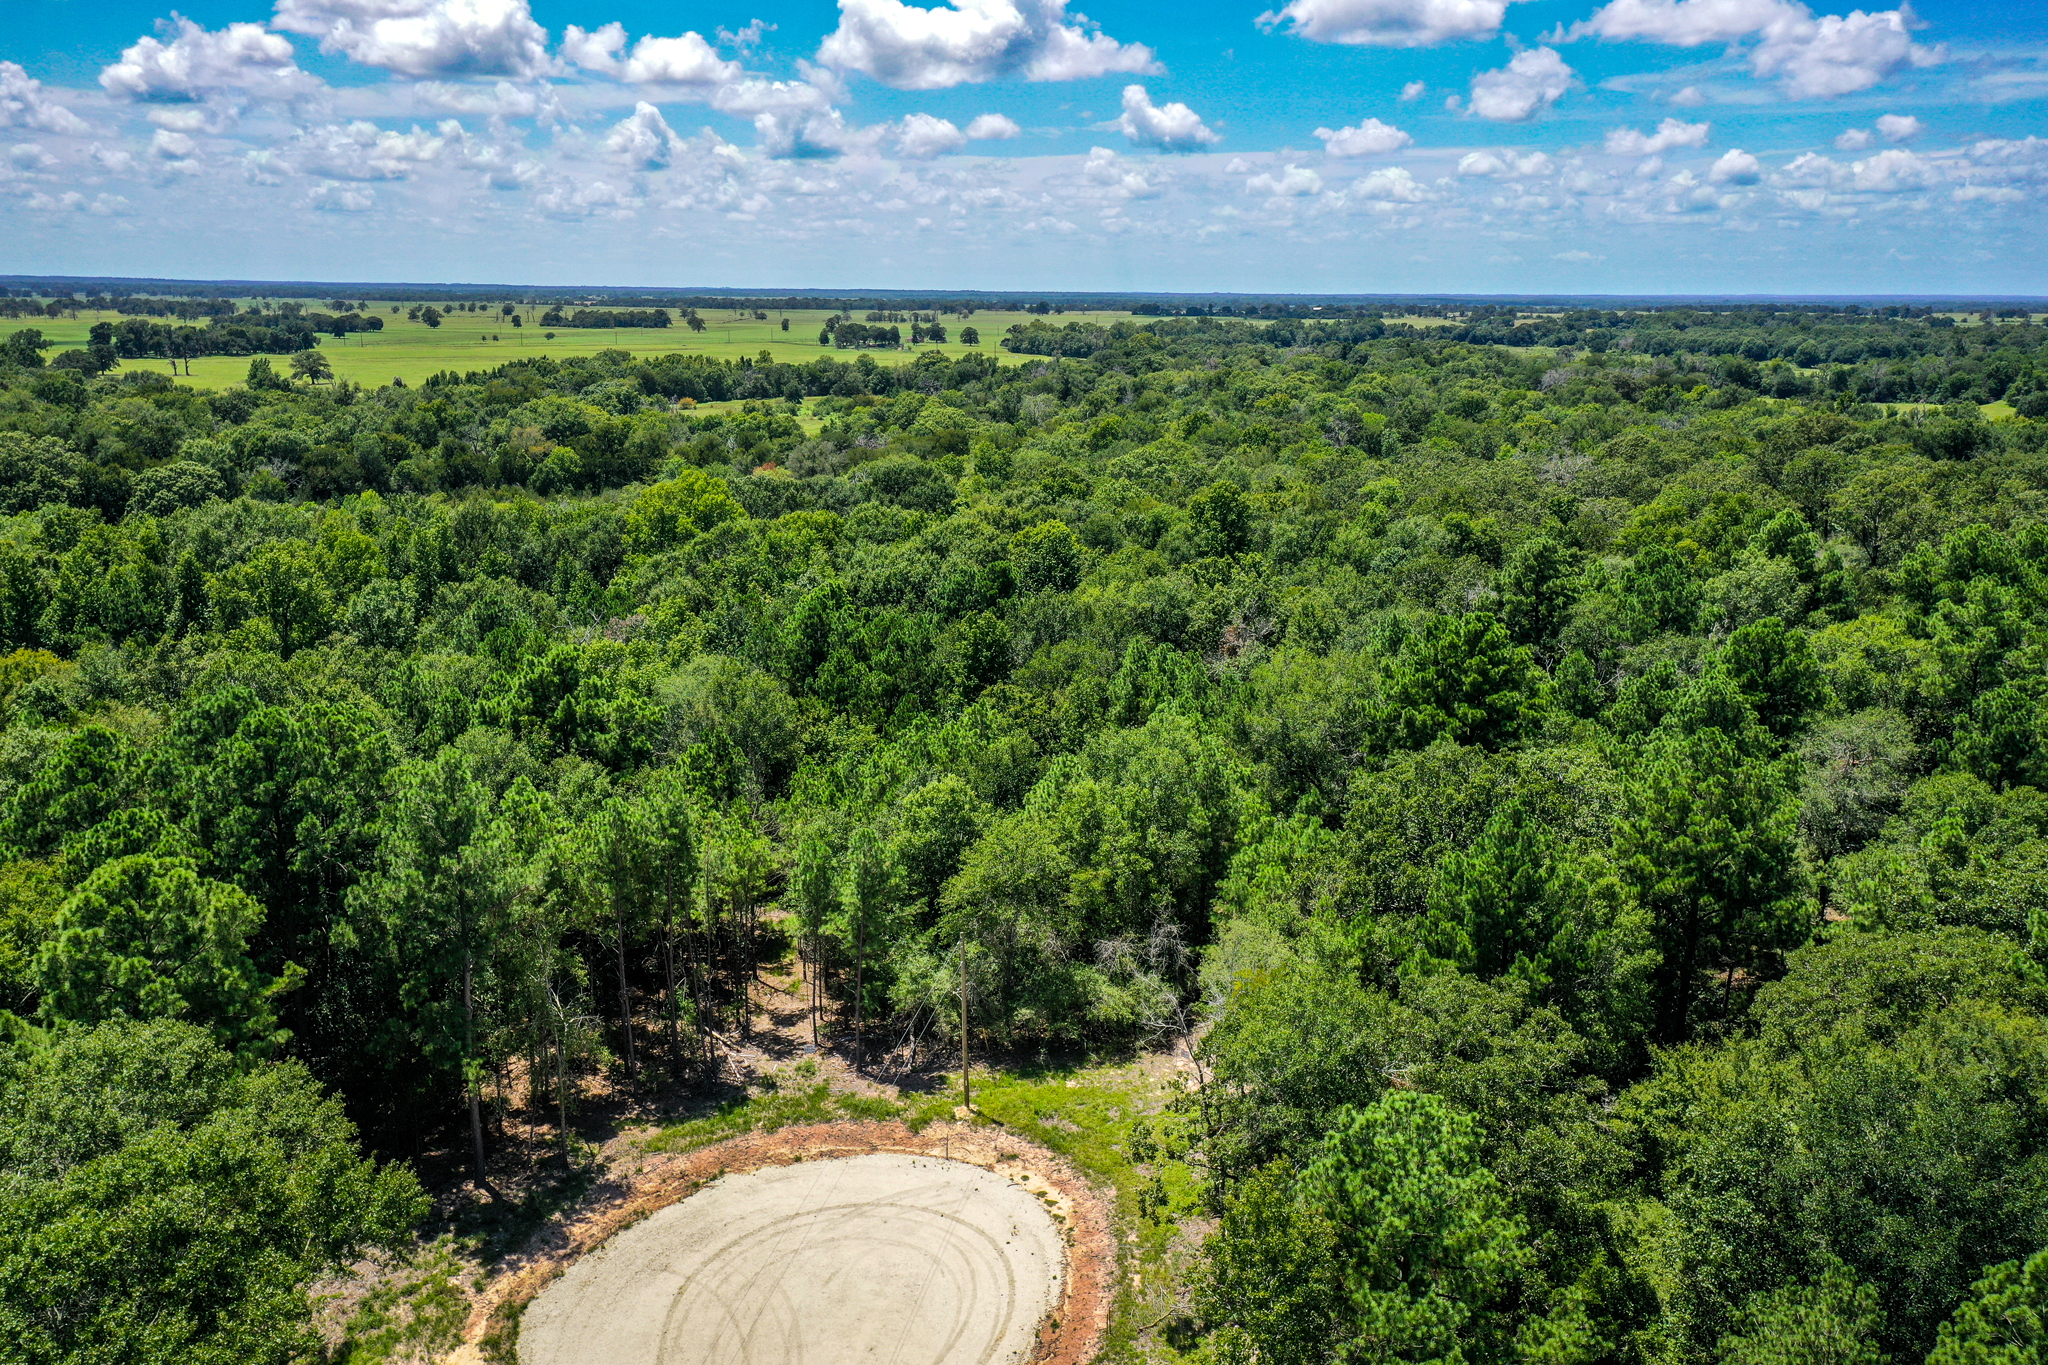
pixel 1585 771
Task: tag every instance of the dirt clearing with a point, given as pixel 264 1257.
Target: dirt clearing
pixel 891 1258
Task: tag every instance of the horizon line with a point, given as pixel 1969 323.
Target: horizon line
pixel 311 287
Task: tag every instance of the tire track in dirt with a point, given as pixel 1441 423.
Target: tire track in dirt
pixel 1070 1334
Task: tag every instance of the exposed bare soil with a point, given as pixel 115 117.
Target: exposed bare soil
pixel 1070 1334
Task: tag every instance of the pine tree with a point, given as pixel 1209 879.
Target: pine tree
pixel 1710 848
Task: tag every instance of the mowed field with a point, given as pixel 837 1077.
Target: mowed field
pixel 480 341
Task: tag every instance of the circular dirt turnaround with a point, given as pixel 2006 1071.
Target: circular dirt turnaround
pixel 887 1259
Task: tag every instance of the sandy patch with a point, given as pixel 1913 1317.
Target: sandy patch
pixel 890 1258
pixel 1069 1334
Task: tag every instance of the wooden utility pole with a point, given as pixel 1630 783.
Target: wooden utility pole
pixel 966 1080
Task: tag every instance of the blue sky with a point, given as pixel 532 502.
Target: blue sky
pixel 1631 146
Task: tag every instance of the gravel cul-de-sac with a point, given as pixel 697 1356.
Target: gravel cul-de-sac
pixel 882 1259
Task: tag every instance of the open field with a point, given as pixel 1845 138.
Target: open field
pixel 2001 411
pixel 412 351
pixel 478 341
pixel 806 413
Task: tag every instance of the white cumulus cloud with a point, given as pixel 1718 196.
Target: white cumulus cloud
pixel 1531 81
pixel 1841 54
pixel 993 128
pixel 922 137
pixel 24 105
pixel 1388 23
pixel 188 118
pixel 1899 127
pixel 757 95
pixel 1681 23
pixel 1171 127
pixel 594 49
pixel 1389 185
pixel 1809 169
pixel 1291 182
pixel 425 37
pixel 1813 56
pixel 1855 140
pixel 1412 91
pixel 1505 163
pixel 196 62
pixel 683 60
pixel 1809 178
pixel 748 37
pixel 341 199
pixel 643 140
pixel 1670 134
pixel 823 133
pixel 1369 138
pixel 171 146
pixel 1104 167
pixel 504 100
pixel 104 206
pixel 572 199
pixel 1892 170
pixel 362 151
pixel 1735 167
pixel 2024 151
pixel 969 41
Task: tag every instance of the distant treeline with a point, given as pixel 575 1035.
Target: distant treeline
pixel 109 343
pixel 601 317
pixel 187 309
pixel 138 338
pixel 1907 356
pixel 1846 359
pixel 1150 305
pixel 244 334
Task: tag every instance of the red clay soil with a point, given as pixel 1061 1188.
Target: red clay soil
pixel 1071 1334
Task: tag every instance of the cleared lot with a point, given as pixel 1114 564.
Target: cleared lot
pixel 888 1259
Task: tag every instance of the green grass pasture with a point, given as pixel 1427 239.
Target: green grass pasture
pixel 479 341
